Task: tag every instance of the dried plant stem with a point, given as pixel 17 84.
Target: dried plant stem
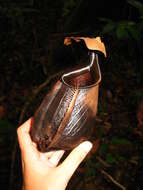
pixel 21 118
pixel 113 180
pixel 35 93
pixel 102 162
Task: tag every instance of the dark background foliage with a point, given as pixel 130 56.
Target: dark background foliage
pixel 33 57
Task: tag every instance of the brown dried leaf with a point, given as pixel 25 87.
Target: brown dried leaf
pixel 96 144
pixel 2 111
pixel 140 115
pixel 91 43
pixel 107 127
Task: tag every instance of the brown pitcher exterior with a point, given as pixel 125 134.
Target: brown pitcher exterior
pixel 66 116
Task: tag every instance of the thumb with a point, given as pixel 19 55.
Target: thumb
pixel 26 145
pixel 75 158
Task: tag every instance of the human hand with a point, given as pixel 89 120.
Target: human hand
pixel 41 170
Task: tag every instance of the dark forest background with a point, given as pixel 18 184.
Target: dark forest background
pixel 33 57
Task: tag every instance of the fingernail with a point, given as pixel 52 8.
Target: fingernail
pixel 87 145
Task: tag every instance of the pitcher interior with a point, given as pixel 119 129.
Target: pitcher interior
pixel 84 77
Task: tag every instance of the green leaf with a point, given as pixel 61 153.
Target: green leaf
pixel 92 168
pixel 109 27
pixel 136 4
pixel 110 159
pixel 131 23
pixel 122 32
pixel 105 19
pixel 102 149
pixel 100 109
pixel 140 26
pixel 135 33
pixel 120 141
pixel 121 158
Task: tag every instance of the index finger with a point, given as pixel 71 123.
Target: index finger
pixel 74 159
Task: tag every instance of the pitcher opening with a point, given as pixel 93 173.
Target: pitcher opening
pixel 84 77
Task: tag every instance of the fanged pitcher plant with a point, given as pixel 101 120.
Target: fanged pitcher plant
pixel 66 116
